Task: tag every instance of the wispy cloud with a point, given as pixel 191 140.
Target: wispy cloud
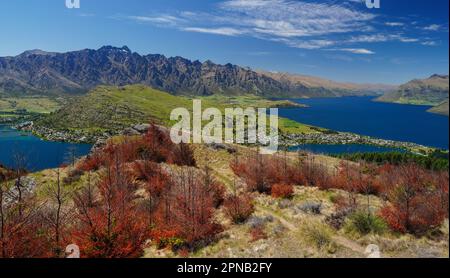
pixel 298 24
pixel 356 51
pixel 226 31
pixel 429 43
pixel 160 19
pixel 294 19
pixel 310 44
pixel 432 27
pixel 394 24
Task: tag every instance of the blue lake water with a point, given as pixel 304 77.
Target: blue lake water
pixel 361 115
pixel 38 154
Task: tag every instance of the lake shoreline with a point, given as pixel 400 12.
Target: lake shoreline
pixel 347 138
pixel 360 119
pixel 37 154
pixel 287 140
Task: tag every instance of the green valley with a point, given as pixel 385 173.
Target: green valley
pixel 42 105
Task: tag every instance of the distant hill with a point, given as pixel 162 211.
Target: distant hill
pixel 37 72
pixel 108 108
pixel 317 86
pixel 431 91
pixel 441 108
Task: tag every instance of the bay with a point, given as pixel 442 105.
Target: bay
pixel 35 154
pixel 362 115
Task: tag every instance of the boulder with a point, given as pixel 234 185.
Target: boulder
pixel 142 128
pixel 130 132
pixel 217 146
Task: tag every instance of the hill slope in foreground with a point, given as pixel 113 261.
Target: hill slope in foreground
pixel 115 108
pixel 432 91
pixel 294 227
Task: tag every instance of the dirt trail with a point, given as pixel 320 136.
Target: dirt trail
pixel 352 245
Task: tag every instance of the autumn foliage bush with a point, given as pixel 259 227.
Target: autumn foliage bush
pixel 177 210
pixel 185 211
pixel 111 226
pixel 417 198
pixel 261 172
pixel 257 233
pixel 416 204
pixel 282 191
pixel 155 146
pixel 239 207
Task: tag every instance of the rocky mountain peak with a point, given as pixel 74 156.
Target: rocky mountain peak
pixel 440 76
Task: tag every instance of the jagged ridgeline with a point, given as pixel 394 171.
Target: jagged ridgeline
pixel 45 73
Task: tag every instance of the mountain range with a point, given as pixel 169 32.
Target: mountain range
pixel 320 87
pixel 433 91
pixel 37 72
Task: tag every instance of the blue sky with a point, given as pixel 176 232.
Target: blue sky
pixel 337 39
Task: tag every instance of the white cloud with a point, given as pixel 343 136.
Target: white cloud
pixel 381 38
pixel 408 40
pixel 432 27
pixel 311 44
pixel 429 43
pixel 394 24
pixel 298 24
pixel 293 18
pixel 217 31
pixel 356 51
pixel 160 19
pixel 369 38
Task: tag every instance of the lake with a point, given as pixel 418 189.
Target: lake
pixel 361 115
pixel 39 154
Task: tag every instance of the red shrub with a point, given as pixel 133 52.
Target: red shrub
pixel 213 187
pixel 92 162
pixel 23 236
pixel 441 180
pixel 186 210
pixel 114 227
pixel 254 172
pixel 415 203
pixel 257 233
pixel 155 146
pixel 182 154
pixel 239 208
pixel 261 172
pixel 282 191
pixel 395 218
